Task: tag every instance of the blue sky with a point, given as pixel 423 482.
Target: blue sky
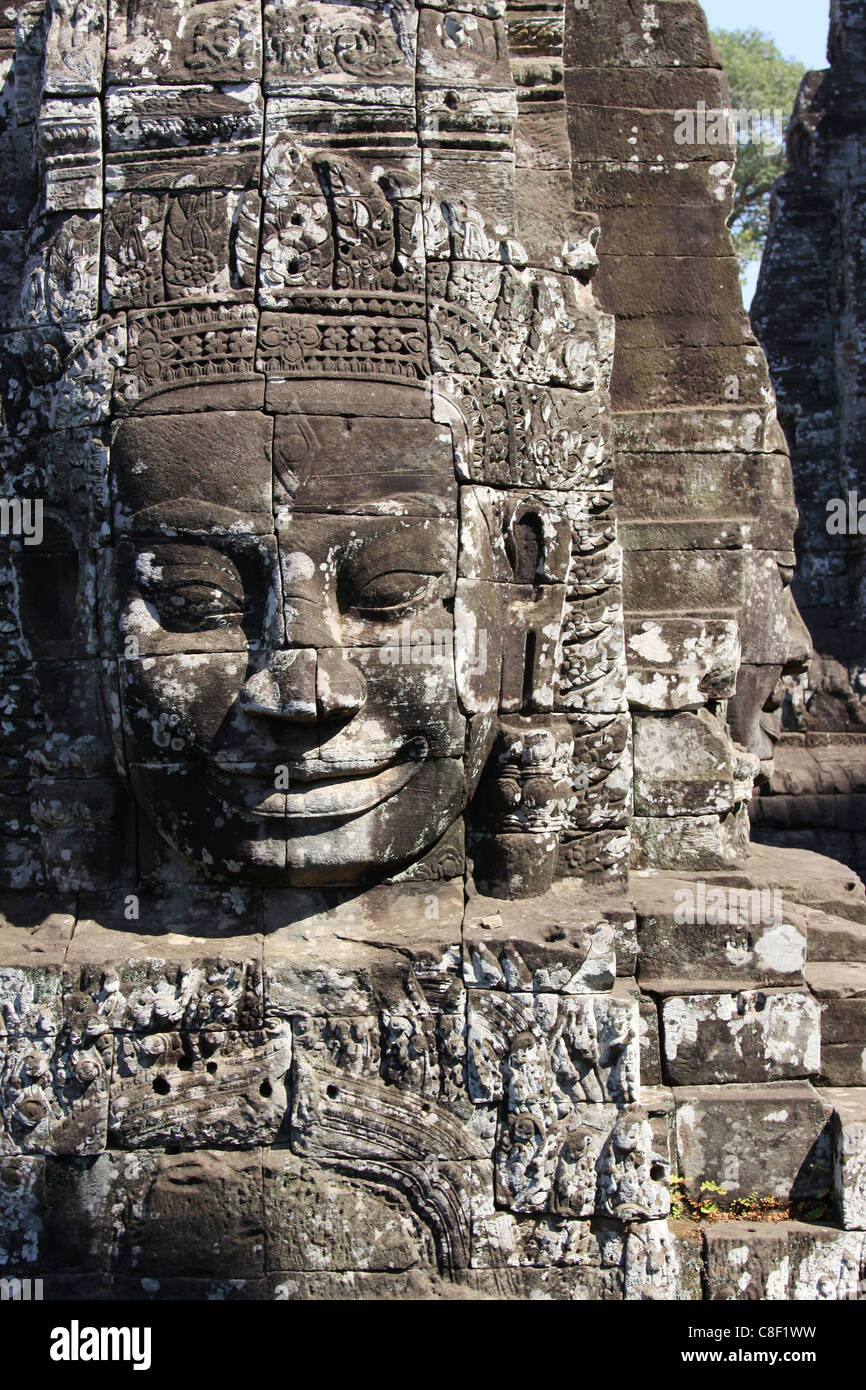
pixel 799 28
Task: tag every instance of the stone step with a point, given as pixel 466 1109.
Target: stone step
pixel 831 937
pixel 742 1036
pixel 782 1260
pixel 840 989
pixel 566 941
pixel 790 1141
pixel 769 1140
pixel 811 879
pixel 696 928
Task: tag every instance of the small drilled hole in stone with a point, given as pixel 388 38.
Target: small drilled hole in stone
pixel 211 1066
pixel 266 1090
pixel 452 101
pixel 161 1086
pixel 333 1092
pixel 185 1064
pixel 657 1173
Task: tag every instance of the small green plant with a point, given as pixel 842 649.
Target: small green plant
pixel 707 1207
pixel 679 1200
pixel 703 1207
pixel 758 1208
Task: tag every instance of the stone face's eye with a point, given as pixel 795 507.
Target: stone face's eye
pixel 389 574
pixel 192 606
pixel 393 589
pixel 191 590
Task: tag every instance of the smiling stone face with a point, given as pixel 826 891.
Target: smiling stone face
pixel 775 644
pixel 287 679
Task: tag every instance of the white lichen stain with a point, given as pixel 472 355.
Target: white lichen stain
pixel 650 644
pixel 781 948
pixel 776 1285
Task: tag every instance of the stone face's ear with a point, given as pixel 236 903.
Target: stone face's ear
pixel 513 564
pixel 527 787
pixel 533 625
pixel 538 544
pixel 515 555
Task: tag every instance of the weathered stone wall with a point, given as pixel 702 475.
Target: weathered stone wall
pixel 810 314
pixel 703 484
pixel 255 1084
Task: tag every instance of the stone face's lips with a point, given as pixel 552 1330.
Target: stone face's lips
pixel 338 788
pixel 771 726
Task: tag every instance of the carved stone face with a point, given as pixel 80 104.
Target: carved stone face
pixel 775 644
pixel 285 589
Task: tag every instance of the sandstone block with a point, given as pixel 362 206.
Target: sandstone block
pixel 54 1093
pixel 387 1085
pixel 661 745
pixel 122 1214
pixel 319 1218
pixel 21 1204
pixel 596 1160
pixel 680 663
pixel 849 1153
pixel 782 1260
pixel 688 843
pixel 771 1139
pixel 751 1036
pixel 556 943
pixel 692 928
pixel 330 952
pixel 840 990
pixel 199 1090
pixel 553 1052
pixel 662 1261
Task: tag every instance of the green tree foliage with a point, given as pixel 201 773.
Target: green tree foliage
pixel 760 79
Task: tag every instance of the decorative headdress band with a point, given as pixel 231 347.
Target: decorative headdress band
pixel 355 282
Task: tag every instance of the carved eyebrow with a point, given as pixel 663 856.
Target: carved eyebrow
pixel 430 553
pixel 191 513
pixel 388 493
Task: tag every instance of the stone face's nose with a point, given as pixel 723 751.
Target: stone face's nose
pixel 303 684
pixel 285 688
pixel 799 641
pixel 340 686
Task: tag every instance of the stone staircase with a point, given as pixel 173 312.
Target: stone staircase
pixel 756 1039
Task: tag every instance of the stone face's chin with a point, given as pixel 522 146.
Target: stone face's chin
pixel 337 830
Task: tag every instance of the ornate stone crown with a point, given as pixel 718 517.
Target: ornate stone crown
pixel 335 218
pixel 333 274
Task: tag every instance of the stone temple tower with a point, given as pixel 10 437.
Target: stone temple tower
pixel 379 915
